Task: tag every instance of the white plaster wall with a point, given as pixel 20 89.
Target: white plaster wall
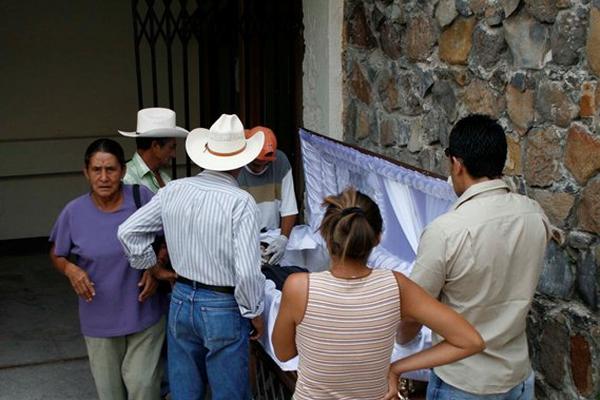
pixel 67 74
pixel 322 68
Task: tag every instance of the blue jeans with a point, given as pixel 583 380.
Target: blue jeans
pixel 437 389
pixel 207 344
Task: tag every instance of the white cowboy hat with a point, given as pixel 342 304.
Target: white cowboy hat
pixel 224 146
pixel 156 122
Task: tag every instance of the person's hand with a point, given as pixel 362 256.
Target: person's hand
pixel 258 323
pixel 163 255
pixel 148 284
pixel 162 274
pixel 393 379
pixel 276 249
pixel 80 281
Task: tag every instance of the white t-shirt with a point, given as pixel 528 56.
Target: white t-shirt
pixel 273 191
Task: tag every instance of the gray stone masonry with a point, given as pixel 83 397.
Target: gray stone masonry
pixel 414 67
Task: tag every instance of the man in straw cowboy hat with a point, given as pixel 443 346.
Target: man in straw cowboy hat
pixel 211 229
pixel 155 139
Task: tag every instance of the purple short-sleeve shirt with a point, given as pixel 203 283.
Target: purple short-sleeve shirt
pixel 91 236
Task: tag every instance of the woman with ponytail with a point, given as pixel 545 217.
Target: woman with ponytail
pixel 342 322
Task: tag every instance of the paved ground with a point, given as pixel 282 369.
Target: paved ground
pixel 42 353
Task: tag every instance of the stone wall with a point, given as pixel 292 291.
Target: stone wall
pixel 412 68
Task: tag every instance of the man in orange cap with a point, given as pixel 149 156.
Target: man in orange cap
pixel 269 179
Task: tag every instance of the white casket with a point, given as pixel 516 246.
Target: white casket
pixel 408 199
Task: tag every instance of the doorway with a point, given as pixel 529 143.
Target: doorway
pixel 207 57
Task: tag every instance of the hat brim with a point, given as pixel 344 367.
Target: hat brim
pixel 195 146
pixel 176 132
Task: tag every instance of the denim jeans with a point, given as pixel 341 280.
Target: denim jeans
pixel 437 389
pixel 207 344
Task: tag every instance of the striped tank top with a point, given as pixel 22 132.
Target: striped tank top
pixel 346 337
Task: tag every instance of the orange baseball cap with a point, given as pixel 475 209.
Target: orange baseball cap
pixel 268 152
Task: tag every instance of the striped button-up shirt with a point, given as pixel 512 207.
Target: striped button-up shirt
pixel 211 230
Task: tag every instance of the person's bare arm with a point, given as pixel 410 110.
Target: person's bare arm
pixel 287 223
pixel 291 312
pixel 460 337
pixel 79 279
pixel 407 330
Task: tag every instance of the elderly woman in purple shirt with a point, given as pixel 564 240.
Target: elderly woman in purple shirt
pixel 122 319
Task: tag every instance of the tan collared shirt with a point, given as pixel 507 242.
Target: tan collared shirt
pixel 483 258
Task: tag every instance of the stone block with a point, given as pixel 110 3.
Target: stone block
pixel 388 91
pixel 419 38
pixel 520 105
pixel 480 98
pixel 587 101
pixel 579 240
pixel 581 365
pixel 462 77
pixel 443 96
pixel 519 81
pixel 509 6
pixel 542 156
pixel 494 15
pixel 360 84
pixel 488 46
pixel 593 41
pixel 358 30
pixel 377 17
pixel 528 40
pixel 393 131
pixel 437 127
pixel 588 212
pixel 464 7
pixel 479 7
pixel 557 206
pixel 587 278
pixel 456 41
pixel 363 123
pixel 405 91
pixel 554 105
pixel 390 36
pixel 554 343
pixel 430 159
pixel 386 133
pixel 582 153
pixel 567 38
pixel 542 10
pixel 513 159
pixel 557 278
pixel 445 12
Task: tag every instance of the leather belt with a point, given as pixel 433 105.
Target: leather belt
pixel 199 285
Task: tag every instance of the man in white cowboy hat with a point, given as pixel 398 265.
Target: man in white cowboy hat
pixel 155 138
pixel 211 229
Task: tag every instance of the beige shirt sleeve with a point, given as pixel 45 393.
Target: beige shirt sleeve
pixel 429 270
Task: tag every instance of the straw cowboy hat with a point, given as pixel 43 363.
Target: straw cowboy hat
pixel 156 122
pixel 224 146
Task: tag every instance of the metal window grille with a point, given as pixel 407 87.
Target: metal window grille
pixel 203 58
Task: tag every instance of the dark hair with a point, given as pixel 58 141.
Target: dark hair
pixel 351 225
pixel 480 143
pixel 105 146
pixel 144 143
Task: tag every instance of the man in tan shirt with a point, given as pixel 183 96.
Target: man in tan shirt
pixel 483 258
